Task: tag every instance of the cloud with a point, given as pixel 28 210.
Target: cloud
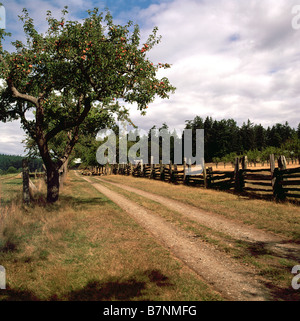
pixel 230 59
pixel 11 138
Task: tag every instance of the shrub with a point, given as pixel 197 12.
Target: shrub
pixel 11 170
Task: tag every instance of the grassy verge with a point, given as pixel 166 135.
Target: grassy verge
pixel 85 248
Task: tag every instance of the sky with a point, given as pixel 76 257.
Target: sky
pixel 235 59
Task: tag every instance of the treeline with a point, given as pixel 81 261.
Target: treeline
pixel 223 141
pixel 10 164
pixel 225 137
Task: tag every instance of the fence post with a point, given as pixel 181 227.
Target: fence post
pixel 279 178
pixel 282 162
pixel 273 175
pixel 175 174
pixel 142 168
pixel 26 193
pixel 184 169
pixel 131 169
pixel 189 168
pixel 244 162
pixel 161 170
pixel 171 171
pixel 205 177
pixel 151 167
pixel 128 169
pixel 237 186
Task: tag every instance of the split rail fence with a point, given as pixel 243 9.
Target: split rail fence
pixel 273 182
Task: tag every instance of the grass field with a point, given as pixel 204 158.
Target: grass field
pixel 86 248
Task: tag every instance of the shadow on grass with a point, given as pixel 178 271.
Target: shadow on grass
pixel 257 249
pixel 40 200
pixel 17 295
pixel 283 250
pixel 114 290
pixel 280 294
pixel 94 290
pixel 276 272
pixel 132 288
pixel 267 197
pixel 79 200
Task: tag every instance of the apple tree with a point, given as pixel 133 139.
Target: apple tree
pixel 75 74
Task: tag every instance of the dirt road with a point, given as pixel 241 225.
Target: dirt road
pixel 269 241
pixel 232 280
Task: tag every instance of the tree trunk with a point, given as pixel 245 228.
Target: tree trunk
pixel 52 184
pixel 64 169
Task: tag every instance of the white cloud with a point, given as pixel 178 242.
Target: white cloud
pixel 11 138
pixel 231 59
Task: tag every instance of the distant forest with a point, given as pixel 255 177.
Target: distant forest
pixel 13 164
pixel 225 137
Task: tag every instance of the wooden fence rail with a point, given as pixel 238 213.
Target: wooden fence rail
pixel 274 182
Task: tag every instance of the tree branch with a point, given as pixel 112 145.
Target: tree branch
pixel 14 90
pixel 72 141
pixel 70 124
pixel 17 94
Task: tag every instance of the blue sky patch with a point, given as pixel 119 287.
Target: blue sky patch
pixel 234 37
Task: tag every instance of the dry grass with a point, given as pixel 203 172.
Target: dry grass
pixel 85 248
